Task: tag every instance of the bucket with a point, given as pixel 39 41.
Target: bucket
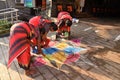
pixel 51 35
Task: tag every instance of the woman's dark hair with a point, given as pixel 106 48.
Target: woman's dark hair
pixel 42 30
pixel 65 22
pixel 54 26
pixel 68 22
pixel 47 26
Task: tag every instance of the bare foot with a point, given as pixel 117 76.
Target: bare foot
pixel 30 72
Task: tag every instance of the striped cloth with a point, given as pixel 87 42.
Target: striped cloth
pixel 19 46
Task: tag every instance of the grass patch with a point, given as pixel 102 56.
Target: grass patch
pixel 4 26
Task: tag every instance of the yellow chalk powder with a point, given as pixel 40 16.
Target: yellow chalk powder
pixel 59 57
pixel 61 45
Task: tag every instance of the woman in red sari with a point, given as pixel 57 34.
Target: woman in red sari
pixel 21 35
pixel 64 24
pixel 19 45
pixel 45 26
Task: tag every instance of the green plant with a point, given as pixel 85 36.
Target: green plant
pixel 4 26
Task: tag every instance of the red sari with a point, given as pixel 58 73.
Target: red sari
pixel 19 47
pixel 39 21
pixel 63 15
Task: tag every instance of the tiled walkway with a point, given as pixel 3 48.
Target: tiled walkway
pixel 101 62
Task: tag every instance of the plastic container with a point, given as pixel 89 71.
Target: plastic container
pixel 66 34
pixel 75 20
pixel 51 35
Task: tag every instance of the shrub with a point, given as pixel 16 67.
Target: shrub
pixel 4 26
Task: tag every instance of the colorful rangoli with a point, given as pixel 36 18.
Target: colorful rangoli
pixel 63 52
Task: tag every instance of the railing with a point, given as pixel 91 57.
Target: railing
pixel 9 14
pixel 8 17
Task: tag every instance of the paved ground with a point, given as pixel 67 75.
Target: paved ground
pixel 101 62
pixel 94 31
